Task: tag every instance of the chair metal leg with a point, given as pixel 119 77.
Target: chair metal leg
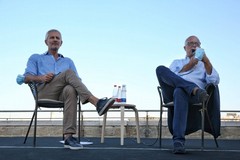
pixel 81 125
pixel 203 121
pixel 35 128
pixel 211 127
pixel 79 122
pixel 29 127
pixel 160 127
pixel 215 140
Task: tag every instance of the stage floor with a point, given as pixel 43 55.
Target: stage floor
pixel 50 148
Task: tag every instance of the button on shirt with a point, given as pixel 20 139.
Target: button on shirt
pixel 41 64
pixel 197 74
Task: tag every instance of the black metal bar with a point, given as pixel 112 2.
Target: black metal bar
pixel 29 127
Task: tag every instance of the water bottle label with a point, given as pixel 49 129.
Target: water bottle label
pixel 119 100
pixel 123 100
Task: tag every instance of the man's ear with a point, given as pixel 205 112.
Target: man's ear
pixel 184 48
pixel 61 43
pixel 46 42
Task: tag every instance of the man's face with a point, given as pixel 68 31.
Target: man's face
pixel 191 44
pixel 54 41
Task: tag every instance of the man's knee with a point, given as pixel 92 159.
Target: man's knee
pixel 160 70
pixel 70 72
pixel 69 91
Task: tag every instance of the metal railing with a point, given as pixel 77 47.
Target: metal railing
pixel 18 115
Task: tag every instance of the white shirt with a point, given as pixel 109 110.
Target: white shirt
pixel 197 74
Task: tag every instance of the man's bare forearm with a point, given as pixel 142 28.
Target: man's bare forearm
pixel 31 78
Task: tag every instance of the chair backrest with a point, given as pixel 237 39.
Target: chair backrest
pixel 162 103
pixel 160 95
pixel 33 88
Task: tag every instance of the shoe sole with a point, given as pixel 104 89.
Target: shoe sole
pixel 179 151
pixel 106 107
pixel 73 148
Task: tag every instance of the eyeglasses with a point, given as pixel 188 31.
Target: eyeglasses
pixel 193 43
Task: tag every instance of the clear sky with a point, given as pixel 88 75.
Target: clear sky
pixel 119 42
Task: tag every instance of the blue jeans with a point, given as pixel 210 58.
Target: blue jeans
pixel 179 91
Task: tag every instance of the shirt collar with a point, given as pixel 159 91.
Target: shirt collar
pixel 59 55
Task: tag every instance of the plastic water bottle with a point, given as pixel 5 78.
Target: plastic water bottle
pixel 199 53
pixel 123 94
pixel 115 92
pixel 119 95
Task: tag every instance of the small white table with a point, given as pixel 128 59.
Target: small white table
pixel 122 107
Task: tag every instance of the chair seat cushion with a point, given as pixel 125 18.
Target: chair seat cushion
pixel 50 103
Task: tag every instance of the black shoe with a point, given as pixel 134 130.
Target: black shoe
pixel 104 104
pixel 178 148
pixel 202 95
pixel 72 143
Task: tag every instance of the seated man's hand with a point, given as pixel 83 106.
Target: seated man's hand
pixel 193 61
pixel 47 77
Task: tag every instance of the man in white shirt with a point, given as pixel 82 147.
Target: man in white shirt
pixel 183 83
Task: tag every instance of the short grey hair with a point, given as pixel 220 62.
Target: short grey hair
pixel 51 30
pixel 186 41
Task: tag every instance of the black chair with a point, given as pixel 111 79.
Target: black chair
pixel 46 103
pixel 202 107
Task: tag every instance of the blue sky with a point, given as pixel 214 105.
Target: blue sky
pixel 119 42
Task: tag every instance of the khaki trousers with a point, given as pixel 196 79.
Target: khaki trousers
pixel 66 87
